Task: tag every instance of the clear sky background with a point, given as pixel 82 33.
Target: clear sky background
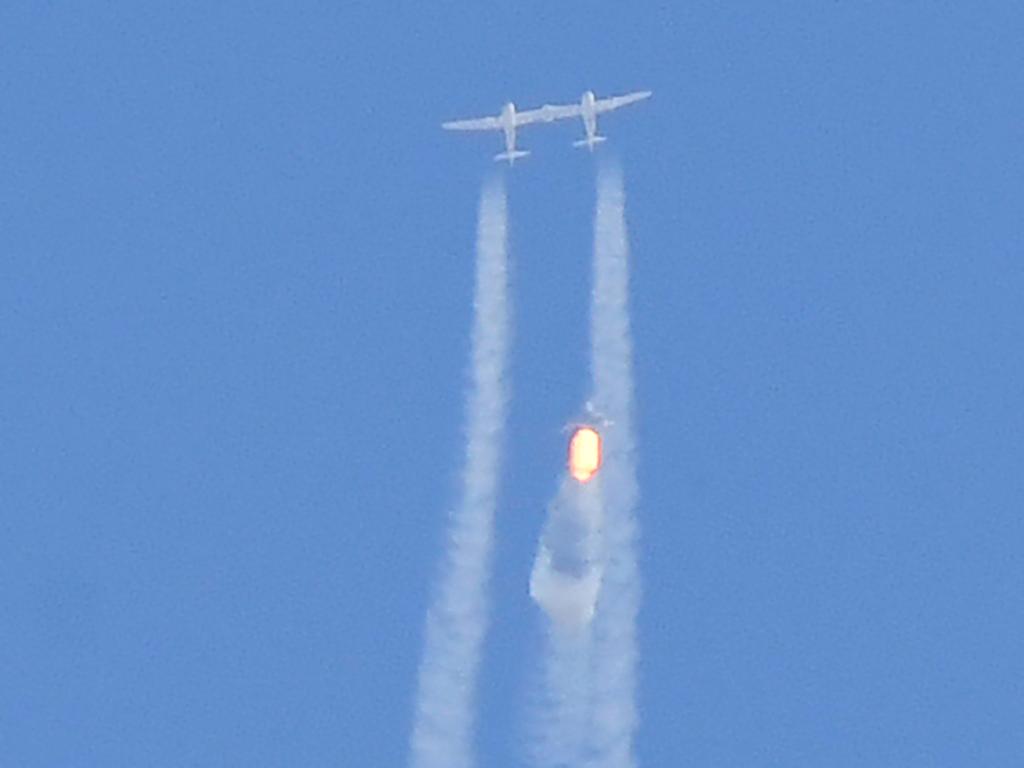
pixel 235 285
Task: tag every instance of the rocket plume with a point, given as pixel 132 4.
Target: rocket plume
pixel 457 618
pixel 584 453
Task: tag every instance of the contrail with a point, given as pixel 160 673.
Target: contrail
pixel 457 619
pixel 613 715
pixel 565 582
pixel 559 725
pixel 585 575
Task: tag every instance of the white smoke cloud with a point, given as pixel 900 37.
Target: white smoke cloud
pixel 457 618
pixel 565 582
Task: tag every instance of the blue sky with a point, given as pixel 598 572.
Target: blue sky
pixel 235 280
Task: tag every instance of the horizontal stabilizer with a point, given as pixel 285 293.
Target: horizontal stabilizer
pixel 511 156
pixel 589 143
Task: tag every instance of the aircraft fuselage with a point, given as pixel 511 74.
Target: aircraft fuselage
pixel 508 125
pixel 589 113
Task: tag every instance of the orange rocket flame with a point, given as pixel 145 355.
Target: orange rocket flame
pixel 584 453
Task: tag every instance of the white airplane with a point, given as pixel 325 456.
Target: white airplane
pixel 507 121
pixel 590 107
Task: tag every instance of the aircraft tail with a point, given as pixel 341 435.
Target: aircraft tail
pixel 511 156
pixel 590 142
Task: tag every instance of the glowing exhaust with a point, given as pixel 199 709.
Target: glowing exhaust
pixel 584 453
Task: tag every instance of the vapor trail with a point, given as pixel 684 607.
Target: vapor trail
pixel 565 582
pixel 585 575
pixel 457 618
pixel 613 716
pixel 561 719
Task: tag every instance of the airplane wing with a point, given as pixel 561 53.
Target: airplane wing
pixel 548 113
pixel 480 124
pixel 614 102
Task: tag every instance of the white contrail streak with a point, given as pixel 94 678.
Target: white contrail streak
pixel 613 716
pixel 565 582
pixel 561 720
pixel 457 619
pixel 585 575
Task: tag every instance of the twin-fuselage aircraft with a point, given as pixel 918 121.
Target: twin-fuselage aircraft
pixel 588 108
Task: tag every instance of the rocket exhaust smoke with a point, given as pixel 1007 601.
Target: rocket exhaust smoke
pixel 585 575
pixel 457 618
